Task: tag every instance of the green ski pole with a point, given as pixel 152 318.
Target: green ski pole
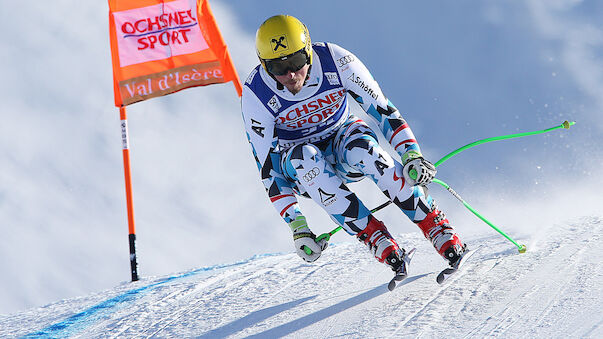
pixel 521 248
pixel 413 173
pixel 566 124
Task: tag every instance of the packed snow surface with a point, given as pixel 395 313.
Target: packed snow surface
pixel 552 290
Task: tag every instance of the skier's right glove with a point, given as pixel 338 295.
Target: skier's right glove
pixel 305 241
pixel 417 170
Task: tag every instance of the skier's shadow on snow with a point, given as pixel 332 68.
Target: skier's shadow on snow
pixel 252 319
pixel 292 326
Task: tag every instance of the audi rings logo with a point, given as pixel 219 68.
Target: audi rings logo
pixel 345 60
pixel 311 174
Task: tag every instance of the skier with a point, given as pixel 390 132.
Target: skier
pixel 306 142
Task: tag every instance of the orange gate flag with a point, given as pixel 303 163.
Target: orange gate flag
pixel 160 47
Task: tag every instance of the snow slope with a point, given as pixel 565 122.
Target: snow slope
pixel 553 290
pixel 459 71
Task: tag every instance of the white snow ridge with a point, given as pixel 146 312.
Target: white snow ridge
pixel 553 290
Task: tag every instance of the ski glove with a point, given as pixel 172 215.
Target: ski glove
pixel 417 170
pixel 304 239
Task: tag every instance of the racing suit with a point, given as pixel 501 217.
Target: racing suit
pixel 309 144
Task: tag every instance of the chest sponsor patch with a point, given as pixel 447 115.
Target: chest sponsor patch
pixel 310 114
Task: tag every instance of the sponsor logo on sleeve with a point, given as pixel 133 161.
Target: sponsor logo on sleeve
pixel 332 78
pixel 251 76
pixel 274 103
pixel 345 60
pixel 358 81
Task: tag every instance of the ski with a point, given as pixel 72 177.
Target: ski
pixel 450 271
pixel 402 275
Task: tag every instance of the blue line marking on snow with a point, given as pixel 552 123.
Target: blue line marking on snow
pixel 79 321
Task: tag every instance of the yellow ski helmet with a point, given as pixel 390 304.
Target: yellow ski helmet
pixel 283 43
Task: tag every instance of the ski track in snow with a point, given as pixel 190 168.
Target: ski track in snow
pixel 553 290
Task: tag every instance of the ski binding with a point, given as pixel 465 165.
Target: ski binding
pixel 450 271
pixel 401 275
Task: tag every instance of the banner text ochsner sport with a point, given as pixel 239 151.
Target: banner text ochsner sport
pixel 165 29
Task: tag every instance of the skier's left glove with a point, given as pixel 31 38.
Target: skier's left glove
pixel 305 241
pixel 417 170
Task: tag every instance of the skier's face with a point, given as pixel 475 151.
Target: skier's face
pixel 294 81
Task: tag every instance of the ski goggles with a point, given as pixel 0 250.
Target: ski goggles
pixel 290 63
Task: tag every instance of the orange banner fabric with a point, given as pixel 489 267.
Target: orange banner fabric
pixel 160 47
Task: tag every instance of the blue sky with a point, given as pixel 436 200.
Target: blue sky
pixel 459 71
pixel 466 70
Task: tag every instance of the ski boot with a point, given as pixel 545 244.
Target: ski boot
pixel 381 244
pixel 386 250
pixel 437 229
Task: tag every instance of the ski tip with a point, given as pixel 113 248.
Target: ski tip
pixel 395 279
pixel 522 248
pixel 440 279
pixel 443 276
